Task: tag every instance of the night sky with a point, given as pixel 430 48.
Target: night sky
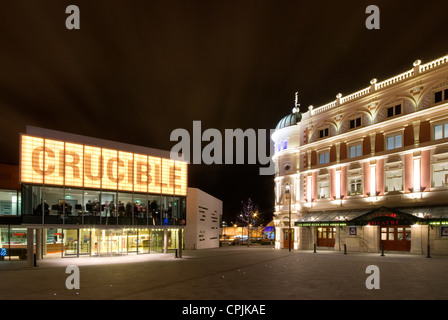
pixel 136 70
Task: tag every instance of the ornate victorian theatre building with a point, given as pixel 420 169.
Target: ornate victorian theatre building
pixel 368 171
pixel 87 196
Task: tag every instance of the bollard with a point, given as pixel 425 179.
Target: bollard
pixel 176 253
pixel 345 248
pixel 382 250
pixel 35 260
pixel 428 255
pixel 314 248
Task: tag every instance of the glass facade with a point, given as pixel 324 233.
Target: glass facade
pixel 62 205
pixel 110 242
pixel 13 243
pixel 10 202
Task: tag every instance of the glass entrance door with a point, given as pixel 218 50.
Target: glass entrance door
pixel 143 241
pixel 70 242
pixel 132 241
pixel 84 241
pixel 156 241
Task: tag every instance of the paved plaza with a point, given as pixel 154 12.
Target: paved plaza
pixel 230 273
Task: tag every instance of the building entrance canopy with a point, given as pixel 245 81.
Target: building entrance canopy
pixel 382 216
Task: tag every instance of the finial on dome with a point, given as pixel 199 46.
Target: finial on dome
pixel 297 104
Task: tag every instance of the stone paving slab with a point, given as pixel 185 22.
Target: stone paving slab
pixel 230 273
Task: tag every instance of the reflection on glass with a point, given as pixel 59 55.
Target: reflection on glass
pixel 156 241
pixel 9 202
pixel 70 241
pixel 143 241
pixel 84 241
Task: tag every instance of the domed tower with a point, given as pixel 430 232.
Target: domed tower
pixel 286 158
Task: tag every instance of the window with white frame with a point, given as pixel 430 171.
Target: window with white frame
pixel 355 185
pixel 323 189
pixel 354 179
pixel 440 174
pixel 324 157
pixel 394 180
pixel 440 131
pixel 394 141
pixel 355 150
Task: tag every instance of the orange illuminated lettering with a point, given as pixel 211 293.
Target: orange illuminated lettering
pixel 55 162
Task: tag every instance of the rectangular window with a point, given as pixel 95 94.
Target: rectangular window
pixel 441 131
pixel 323 133
pixel 9 204
pixel 355 123
pixel 394 142
pixel 355 151
pixel 439 174
pixel 394 111
pixel 394 180
pixel 323 188
pixel 285 144
pixel 355 186
pixel 440 96
pixel 324 157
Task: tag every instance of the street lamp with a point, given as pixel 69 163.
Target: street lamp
pixel 288 195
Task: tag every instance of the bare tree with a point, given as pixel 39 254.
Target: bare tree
pixel 248 216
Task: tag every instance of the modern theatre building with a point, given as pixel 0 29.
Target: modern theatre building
pixel 367 171
pixel 84 196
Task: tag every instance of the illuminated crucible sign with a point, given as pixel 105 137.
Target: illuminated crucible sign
pixel 61 163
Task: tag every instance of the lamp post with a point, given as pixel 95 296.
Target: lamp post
pixel 288 195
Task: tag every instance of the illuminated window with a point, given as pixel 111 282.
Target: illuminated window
pixel 9 202
pixel 323 189
pixel 441 131
pixel 394 141
pixel 394 180
pixel 284 144
pixel 324 157
pixel 355 185
pixel 323 184
pixel 355 151
pixel 440 174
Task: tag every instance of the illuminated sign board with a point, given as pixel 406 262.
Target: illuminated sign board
pixel 61 163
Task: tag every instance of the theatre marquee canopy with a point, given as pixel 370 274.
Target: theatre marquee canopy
pixel 63 163
pixel 382 216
